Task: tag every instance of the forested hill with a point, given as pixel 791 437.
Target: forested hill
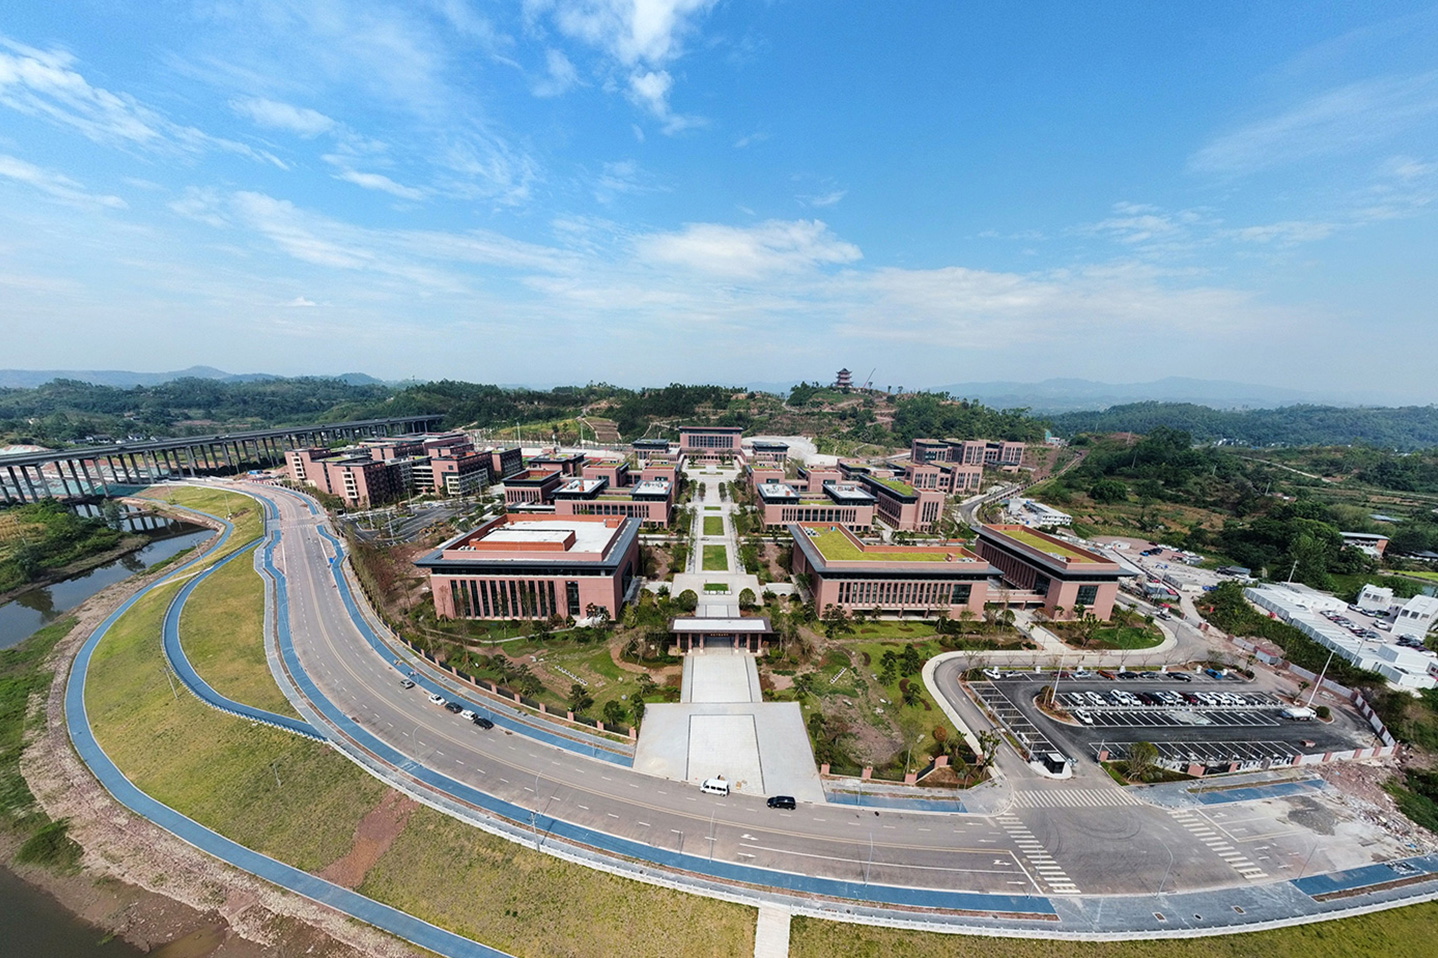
pixel 1403 427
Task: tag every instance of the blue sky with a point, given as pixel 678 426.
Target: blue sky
pixel 642 191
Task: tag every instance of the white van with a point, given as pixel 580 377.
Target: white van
pixel 714 786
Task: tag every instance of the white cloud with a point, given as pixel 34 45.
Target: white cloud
pixel 299 302
pixel 641 36
pixel 821 200
pixel 1286 233
pixel 378 181
pixel 622 178
pixel 283 116
pixel 560 76
pixel 201 204
pixel 1339 121
pixel 967 307
pixel 748 253
pixel 750 140
pixel 55 185
pixel 44 84
pixel 633 31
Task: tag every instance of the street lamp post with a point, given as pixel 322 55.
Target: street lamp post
pixel 1168 870
pixel 1319 682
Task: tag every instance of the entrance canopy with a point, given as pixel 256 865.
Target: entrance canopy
pixel 748 632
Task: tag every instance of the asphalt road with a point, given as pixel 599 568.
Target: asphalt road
pixel 1082 836
pixel 889 847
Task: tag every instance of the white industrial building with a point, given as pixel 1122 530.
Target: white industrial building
pixel 1036 515
pixel 1302 608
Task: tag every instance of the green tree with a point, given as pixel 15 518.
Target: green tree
pixel 579 698
pixel 1141 762
pixel 687 601
pixel 835 622
pixel 1108 491
pixel 636 709
pixel 989 742
pixel 746 599
pixel 614 713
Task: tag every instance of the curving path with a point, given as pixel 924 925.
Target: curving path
pixel 1076 872
pixel 382 916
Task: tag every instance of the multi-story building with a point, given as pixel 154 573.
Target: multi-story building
pixel 781 504
pixel 896 580
pixel 571 465
pixel 710 442
pixel 615 471
pixel 769 451
pixel 949 477
pixel 650 501
pixel 1054 574
pixel 661 469
pixel 532 487
pixel 505 463
pixel 357 479
pixel 968 452
pixel 533 567
pixel 647 448
pixel 812 478
pixel 901 505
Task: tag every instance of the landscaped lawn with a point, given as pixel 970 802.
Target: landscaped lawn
pixel 716 559
pixel 834 545
pixel 1113 637
pixel 901 630
pixel 713 525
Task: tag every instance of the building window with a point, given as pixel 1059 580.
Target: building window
pixel 960 594
pixel 1087 595
pixel 571 593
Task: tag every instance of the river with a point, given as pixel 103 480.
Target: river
pixel 23 616
pixel 33 923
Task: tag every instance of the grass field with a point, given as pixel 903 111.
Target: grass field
pixel 219 770
pixel 529 904
pixel 222 631
pixel 902 630
pixel 1128 637
pixel 713 525
pixel 716 559
pixel 1404 931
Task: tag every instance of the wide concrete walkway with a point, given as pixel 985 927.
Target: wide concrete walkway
pixel 722 676
pixel 722 727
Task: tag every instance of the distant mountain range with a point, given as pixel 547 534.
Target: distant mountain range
pixel 30 378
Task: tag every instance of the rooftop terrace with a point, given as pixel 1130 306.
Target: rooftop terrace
pixel 837 545
pixel 1046 544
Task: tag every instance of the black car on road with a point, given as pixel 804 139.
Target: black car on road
pixel 483 722
pixel 782 801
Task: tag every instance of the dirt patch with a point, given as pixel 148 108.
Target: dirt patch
pixel 376 832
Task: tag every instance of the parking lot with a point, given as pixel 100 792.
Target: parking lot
pixel 1215 722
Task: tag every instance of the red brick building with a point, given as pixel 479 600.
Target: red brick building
pixel 535 567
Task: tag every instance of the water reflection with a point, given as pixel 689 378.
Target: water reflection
pixel 32 610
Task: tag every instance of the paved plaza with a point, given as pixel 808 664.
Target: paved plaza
pixel 722 727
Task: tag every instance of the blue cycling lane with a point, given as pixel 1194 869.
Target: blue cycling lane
pixel 382 916
pixel 546 825
pixel 180 662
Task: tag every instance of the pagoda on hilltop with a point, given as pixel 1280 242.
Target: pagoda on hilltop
pixel 845 380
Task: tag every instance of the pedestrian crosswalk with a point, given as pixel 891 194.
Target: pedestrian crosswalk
pixel 1205 832
pixel 1073 798
pixel 1040 861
